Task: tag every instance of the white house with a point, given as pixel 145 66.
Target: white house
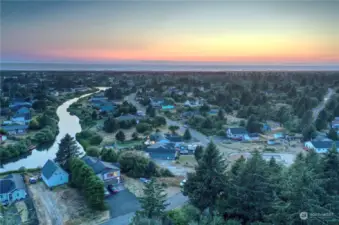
pixel 236 133
pixel 321 146
pixel 53 175
pixel 193 103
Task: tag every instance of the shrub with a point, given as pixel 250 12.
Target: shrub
pixel 93 151
pixel 164 172
pixel 221 133
pixel 143 127
pixel 95 140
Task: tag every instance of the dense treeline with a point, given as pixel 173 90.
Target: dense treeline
pixel 251 192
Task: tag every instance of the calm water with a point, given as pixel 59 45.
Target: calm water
pixel 67 124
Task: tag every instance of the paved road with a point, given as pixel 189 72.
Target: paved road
pixel 174 202
pixel 203 139
pixel 322 105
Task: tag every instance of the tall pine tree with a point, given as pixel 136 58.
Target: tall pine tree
pixel 68 149
pixel 206 184
pixel 153 202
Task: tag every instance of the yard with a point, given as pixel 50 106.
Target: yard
pixel 187 161
pixel 63 205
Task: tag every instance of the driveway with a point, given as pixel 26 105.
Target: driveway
pixel 174 202
pixel 122 203
pixel 203 139
pixel 322 105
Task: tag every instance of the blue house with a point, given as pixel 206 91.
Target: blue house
pixel 266 128
pixel 12 188
pixel 108 107
pixel 53 175
pixel 15 129
pixel 23 110
pixel 213 112
pixel 18 103
pixel 167 107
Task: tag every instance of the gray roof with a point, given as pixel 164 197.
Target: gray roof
pixel 14 127
pixel 325 144
pixel 238 130
pixel 97 165
pixel 161 148
pixel 126 117
pixel 11 182
pixel 49 168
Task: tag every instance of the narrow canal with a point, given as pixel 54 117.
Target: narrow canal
pixel 67 124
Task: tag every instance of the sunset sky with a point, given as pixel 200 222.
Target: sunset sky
pixel 208 31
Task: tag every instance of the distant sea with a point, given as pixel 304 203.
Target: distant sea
pixel 160 66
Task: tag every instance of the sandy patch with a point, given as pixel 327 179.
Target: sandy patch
pixel 22 210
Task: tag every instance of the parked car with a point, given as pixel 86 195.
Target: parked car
pixel 33 180
pixel 106 193
pixel 144 180
pixel 112 189
pixel 182 183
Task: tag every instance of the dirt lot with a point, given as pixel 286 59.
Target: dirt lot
pixel 63 205
pixel 136 187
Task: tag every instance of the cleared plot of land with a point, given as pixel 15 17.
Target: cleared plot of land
pixel 187 161
pixel 63 205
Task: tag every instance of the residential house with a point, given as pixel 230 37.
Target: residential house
pixel 21 118
pixel 162 151
pixel 335 123
pixel 236 133
pixel 23 111
pixel 12 188
pixel 5 111
pixel 193 103
pixel 213 112
pixel 3 138
pixel 252 137
pixel 157 102
pixel 108 107
pixel 167 107
pixel 15 129
pixel 158 137
pixel 126 117
pixel 278 135
pixel 18 103
pixel 108 172
pixel 266 128
pixel 189 114
pixel 53 175
pixel 321 146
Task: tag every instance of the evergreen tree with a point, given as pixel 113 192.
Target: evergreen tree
pixel 68 149
pixel 111 125
pixel 306 120
pixel 109 155
pixel 206 183
pixel 253 126
pixel 330 175
pixel 308 132
pixel 94 192
pixel 94 115
pixel 135 136
pixel 120 136
pixel 333 135
pixel 150 111
pixel 199 151
pixel 187 135
pixel 153 203
pixel 173 128
pixel 221 114
pixel 249 195
pixel 321 122
pixel 302 192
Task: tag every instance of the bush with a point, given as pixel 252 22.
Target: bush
pixel 133 163
pixel 93 151
pixel 221 133
pixel 143 127
pixel 164 172
pixel 95 140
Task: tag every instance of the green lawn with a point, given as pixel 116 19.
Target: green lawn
pixel 128 144
pixel 187 160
